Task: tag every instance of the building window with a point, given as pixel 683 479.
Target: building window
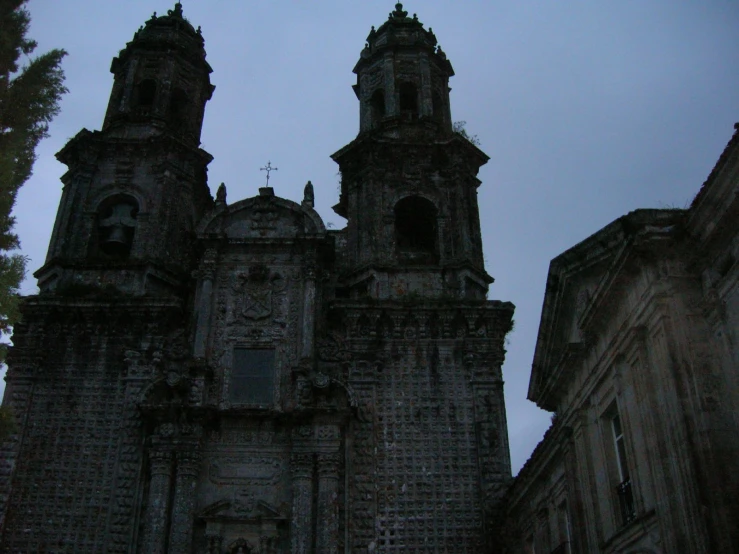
pixel 624 490
pixel 252 377
pixel 565 534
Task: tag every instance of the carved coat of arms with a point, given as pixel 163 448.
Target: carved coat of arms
pixel 256 291
pixel 257 301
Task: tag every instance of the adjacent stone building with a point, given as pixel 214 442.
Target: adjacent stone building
pixel 638 359
pixel 203 376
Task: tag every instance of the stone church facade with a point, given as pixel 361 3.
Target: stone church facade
pixel 199 375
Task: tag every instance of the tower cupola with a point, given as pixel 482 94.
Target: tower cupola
pixel 403 76
pixel 162 80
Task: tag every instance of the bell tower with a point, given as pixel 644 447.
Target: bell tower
pixel 135 190
pixel 409 183
pixel 428 455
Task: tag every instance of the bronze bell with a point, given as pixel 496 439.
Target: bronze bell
pixel 117 230
pixel 116 235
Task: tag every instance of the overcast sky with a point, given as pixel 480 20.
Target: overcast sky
pixel 587 109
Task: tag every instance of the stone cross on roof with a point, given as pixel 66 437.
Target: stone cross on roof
pixel 268 168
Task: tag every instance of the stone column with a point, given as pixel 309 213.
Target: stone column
pixel 183 509
pixel 157 509
pixel 301 529
pixel 327 532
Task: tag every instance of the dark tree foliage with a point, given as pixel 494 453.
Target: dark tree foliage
pixel 30 90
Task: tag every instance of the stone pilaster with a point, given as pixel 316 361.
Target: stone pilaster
pixel 301 528
pixel 327 532
pixel 309 311
pixel 183 509
pixel 204 300
pixel 157 509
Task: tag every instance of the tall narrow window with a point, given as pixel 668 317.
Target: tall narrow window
pixel 565 536
pixel 623 489
pixel 253 377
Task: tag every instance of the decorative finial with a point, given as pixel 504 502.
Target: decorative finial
pixel 199 30
pixel 178 9
pixel 268 168
pixel 308 195
pixel 399 13
pixel 221 195
pixel 154 15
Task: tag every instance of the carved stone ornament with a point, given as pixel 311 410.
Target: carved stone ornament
pixel 240 546
pixel 321 380
pixel 333 348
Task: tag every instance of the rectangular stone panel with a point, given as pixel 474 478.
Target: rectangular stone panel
pixel 252 376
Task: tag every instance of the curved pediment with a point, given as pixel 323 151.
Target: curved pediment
pixel 262 217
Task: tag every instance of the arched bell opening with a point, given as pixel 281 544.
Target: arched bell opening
pixel 116 224
pixel 145 94
pixel 178 109
pixel 408 100
pixel 415 230
pixel 377 105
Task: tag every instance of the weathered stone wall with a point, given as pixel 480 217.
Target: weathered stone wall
pixel 429 447
pixel 75 462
